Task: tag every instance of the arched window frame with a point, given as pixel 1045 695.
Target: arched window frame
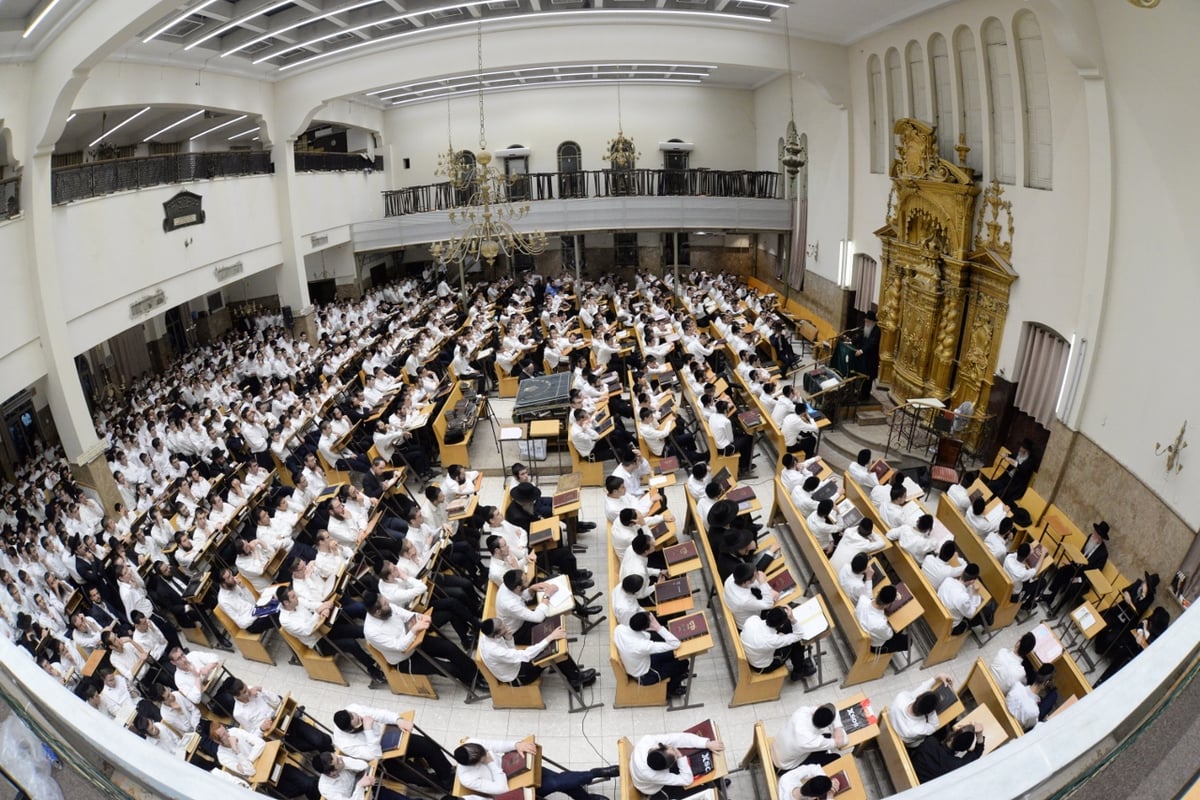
pixel 970 95
pixel 1035 101
pixel 941 71
pixel 875 98
pixel 1001 110
pixel 918 92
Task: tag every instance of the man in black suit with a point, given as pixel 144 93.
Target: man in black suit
pixel 936 756
pixel 521 513
pixel 1072 577
pixel 866 352
pixel 1010 486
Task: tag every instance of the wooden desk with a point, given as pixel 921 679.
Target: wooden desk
pixel 847 764
pixel 906 615
pixel 994 734
pixel 1100 583
pixel 264 765
pixel 689 650
pixel 680 605
pixel 952 712
pixel 466 511
pixel 1080 615
pixel 401 748
pixel 551 524
pixel 720 769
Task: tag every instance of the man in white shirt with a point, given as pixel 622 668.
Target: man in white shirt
pixel 747 593
pixel 913 714
pixel 962 599
pixel 514 666
pixel 1031 704
pixel 304 620
pixel 810 736
pixel 625 599
pixel 1023 576
pixel 347 778
pixel 860 472
pixel 239 603
pixel 977 517
pixel 647 661
pixel 657 766
pixel 871 616
pixel 238 751
pixel 937 566
pixel 1012 665
pixel 728 442
pixel 916 540
pixel 857 578
pixel 479 770
pixel 860 539
pixel 393 631
pixel 254 709
pixel 366 733
pixel 770 640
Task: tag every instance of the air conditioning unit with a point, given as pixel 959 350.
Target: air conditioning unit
pixel 511 152
pixel 676 147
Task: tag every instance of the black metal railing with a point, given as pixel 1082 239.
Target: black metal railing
pixel 10 197
pixel 98 178
pixel 336 162
pixel 593 183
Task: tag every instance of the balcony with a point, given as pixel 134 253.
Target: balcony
pixel 99 178
pixel 594 183
pixel 10 197
pixel 337 162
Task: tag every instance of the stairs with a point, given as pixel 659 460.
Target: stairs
pixel 870 415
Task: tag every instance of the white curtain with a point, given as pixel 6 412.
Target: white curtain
pixel 1043 364
pixel 866 281
pixel 798 255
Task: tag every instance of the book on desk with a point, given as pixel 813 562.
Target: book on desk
pixel 672 589
pixel 565 498
pixel 689 627
pixel 679 553
pixel 739 494
pixel 782 583
pixel 543 629
pixel 666 464
pixel 514 763
pixel 809 619
pixel 946 696
pixel 826 491
pixel 563 601
pixel 700 759
pixel 903 595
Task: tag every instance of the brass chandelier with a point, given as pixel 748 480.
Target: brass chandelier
pixel 621 152
pixel 488 214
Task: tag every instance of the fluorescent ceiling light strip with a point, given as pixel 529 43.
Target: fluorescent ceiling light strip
pixel 73 115
pixel 118 127
pixel 193 115
pixel 541 86
pixel 526 80
pixel 38 19
pixel 522 70
pixel 243 133
pixel 770 3
pixel 218 127
pixel 294 25
pixel 525 17
pixel 235 22
pixel 176 20
pixel 364 26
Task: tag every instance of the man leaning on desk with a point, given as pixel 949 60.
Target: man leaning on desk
pixel 479 770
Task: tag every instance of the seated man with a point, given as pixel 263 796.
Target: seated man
pixel 660 771
pixel 649 661
pixel 306 621
pixel 770 641
pixel 367 733
pixel 392 630
pixel 254 709
pixel 479 770
pixel 1031 704
pixel 935 756
pixel 871 616
pixel 962 599
pixel 857 578
pixel 916 540
pixel 515 666
pixel 810 736
pixel 347 778
pixel 239 602
pixel 914 713
pixel 806 782
pixel 238 750
pixel 860 471
pixel 747 593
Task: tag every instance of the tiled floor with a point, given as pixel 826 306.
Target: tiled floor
pixel 589 738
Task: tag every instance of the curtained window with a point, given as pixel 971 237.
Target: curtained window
pixel 1042 365
pixel 866 281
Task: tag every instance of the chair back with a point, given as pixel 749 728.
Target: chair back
pixel 949 451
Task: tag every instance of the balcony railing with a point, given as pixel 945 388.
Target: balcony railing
pixel 99 178
pixel 336 162
pixel 10 197
pixel 594 183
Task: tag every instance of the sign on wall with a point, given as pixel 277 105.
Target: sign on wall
pixel 182 210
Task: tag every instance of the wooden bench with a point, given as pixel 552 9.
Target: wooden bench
pixel 505 695
pixel 818 328
pixel 456 453
pixel 750 686
pixel 592 471
pixel 402 682
pixel 625 788
pixel 991 571
pixel 318 667
pixel 760 753
pixel 629 693
pixel 770 428
pixel 506 384
pixel 862 664
pixel 252 646
pixel 983 690
pixel 945 644
pixel 716 461
pixel 895 756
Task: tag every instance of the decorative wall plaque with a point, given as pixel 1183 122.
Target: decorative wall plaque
pixel 181 211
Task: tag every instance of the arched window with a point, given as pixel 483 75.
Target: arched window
pixel 895 89
pixel 918 96
pixel 942 96
pixel 878 123
pixel 1035 101
pixel 970 101
pixel 570 170
pixel 1000 102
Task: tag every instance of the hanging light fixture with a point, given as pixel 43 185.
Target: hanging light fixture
pixel 794 156
pixel 449 164
pixel 621 153
pixel 488 215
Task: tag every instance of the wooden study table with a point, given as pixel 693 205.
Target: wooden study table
pixel 720 770
pixel 265 765
pixel 529 780
pixel 689 649
pixel 857 790
pixel 994 734
pixel 862 735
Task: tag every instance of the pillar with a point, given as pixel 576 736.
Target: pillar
pixel 291 280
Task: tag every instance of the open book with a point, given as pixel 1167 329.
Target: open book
pixel 563 601
pixel 810 618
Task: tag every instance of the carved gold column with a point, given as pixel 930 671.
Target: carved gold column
pixel 941 373
pixel 889 315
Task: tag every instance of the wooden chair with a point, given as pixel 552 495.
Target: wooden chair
pixel 895 756
pixel 630 693
pixel 592 471
pixel 507 383
pixel 505 695
pixel 625 788
pixel 318 667
pixel 944 469
pixel 252 646
pixel 402 682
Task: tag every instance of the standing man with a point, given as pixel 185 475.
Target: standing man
pixel 866 352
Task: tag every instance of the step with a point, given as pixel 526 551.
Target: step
pixel 864 417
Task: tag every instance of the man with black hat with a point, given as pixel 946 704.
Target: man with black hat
pixel 866 351
pixel 1072 577
pixel 1010 486
pixel 961 598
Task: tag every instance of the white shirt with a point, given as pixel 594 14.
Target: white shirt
pixel 959 495
pixel 742 603
pixel 344 785
pixel 760 641
pixel 245 749
pixel 238 603
pixel 915 543
pixel 1007 669
pixel 623 605
pixel 795 778
pixel 364 744
pixel 855 585
pixel 502 657
pixel 851 545
pixel 391 636
pixel 722 429
pixel 873 620
pixel 912 730
pixel 937 570
pixel 636 647
pixel 1022 702
pixel 260 708
pixel 862 476
pixel 488 777
pixel 959 600
pixel 1017 570
pixel 650 781
pixel 799 737
pixel 513 612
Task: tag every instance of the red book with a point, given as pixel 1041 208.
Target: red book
pixel 511 794
pixel 841 782
pixel 515 762
pixel 690 627
pixel 678 553
pixel 566 498
pixel 544 628
pixel 783 582
pixel 667 465
pixel 880 468
pixel 672 590
pixel 740 493
pixel 903 595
